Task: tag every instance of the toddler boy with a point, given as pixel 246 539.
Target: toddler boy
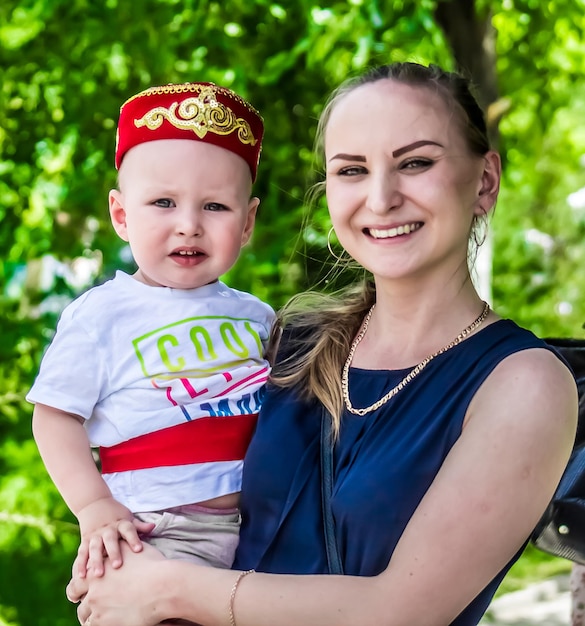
pixel 163 370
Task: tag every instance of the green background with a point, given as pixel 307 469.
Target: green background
pixel 67 65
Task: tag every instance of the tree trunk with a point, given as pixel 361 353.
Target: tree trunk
pixel 472 40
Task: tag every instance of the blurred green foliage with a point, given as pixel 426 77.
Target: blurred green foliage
pixel 67 65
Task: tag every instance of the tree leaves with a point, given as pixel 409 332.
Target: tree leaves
pixel 66 66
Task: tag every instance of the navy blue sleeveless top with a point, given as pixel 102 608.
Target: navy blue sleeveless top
pixel 384 463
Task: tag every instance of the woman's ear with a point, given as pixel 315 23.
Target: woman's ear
pixel 490 183
pixel 118 213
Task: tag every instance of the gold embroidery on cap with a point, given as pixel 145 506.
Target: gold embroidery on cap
pixel 201 114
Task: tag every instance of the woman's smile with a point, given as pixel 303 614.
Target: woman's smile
pixel 395 231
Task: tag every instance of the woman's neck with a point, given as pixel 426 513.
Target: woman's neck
pixel 406 327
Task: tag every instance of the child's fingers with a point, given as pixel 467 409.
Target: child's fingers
pixel 143 528
pixel 96 555
pixel 80 564
pixel 129 532
pixel 112 548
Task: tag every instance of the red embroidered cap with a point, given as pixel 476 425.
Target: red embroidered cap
pixel 199 111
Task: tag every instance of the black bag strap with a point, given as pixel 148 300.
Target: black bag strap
pixel 560 530
pixel 333 556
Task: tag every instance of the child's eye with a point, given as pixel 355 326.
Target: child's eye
pixel 416 164
pixel 215 206
pixel 164 203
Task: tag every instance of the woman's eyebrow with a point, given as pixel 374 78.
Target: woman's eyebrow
pixel 413 146
pixel 349 157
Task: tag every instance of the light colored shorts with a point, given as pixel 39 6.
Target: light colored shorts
pixel 195 533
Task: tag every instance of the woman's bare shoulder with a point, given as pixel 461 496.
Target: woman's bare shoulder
pixel 533 391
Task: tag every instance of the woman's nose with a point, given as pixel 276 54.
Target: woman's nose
pixel 383 193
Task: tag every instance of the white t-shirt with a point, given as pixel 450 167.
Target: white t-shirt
pixel 131 359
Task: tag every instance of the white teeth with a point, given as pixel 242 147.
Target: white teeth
pixel 187 253
pixel 389 233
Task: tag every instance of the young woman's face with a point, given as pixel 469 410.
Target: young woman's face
pixel 402 186
pixel 184 207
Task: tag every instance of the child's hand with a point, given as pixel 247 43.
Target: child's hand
pixel 102 524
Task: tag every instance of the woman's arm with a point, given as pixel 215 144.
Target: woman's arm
pixel 483 504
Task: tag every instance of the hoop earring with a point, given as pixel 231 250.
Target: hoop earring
pixel 330 248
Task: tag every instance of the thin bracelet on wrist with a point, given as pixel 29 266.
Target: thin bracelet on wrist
pixel 233 594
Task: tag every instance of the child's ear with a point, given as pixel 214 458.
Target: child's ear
pixel 490 183
pixel 250 220
pixel 118 213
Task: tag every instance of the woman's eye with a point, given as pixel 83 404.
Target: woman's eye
pixel 215 206
pixel 164 203
pixel 418 163
pixel 351 170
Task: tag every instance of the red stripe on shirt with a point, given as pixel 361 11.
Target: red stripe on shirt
pixel 204 440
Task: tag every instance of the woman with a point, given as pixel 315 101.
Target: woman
pixel 452 427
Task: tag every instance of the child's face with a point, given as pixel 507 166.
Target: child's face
pixel 184 207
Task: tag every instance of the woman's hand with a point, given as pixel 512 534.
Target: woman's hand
pixel 125 595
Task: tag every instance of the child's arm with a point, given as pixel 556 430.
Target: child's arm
pixel 65 450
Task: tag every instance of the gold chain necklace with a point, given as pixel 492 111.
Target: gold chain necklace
pixel 412 374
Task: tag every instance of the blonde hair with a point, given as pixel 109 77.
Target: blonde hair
pixel 322 329
pixel 323 326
